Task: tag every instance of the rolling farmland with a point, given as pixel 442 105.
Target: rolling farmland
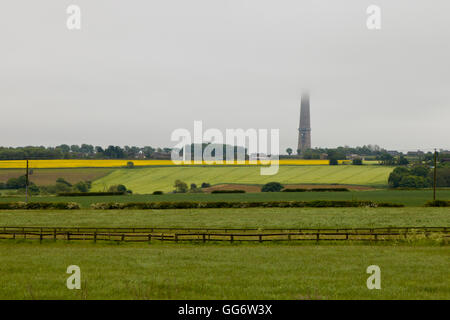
pixel 147 180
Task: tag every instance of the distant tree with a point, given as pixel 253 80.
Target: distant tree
pixel 272 187
pixel 387 159
pixel 81 186
pixel 396 176
pixel 402 161
pixel 333 162
pixel 443 177
pixel 117 188
pixel 180 186
pixel 205 185
pixel 289 151
pixel 63 181
pixel 16 183
pixel 75 148
pixel 421 171
pixel 357 162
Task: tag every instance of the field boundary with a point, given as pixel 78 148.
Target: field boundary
pixel 228 235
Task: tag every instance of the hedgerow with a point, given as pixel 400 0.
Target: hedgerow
pixel 228 191
pixel 438 203
pixel 231 204
pixel 39 206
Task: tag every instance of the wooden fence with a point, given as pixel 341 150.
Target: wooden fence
pixel 212 234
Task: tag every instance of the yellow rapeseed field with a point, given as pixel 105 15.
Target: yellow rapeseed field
pixel 42 164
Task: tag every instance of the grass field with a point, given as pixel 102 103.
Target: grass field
pixel 406 197
pixel 110 271
pixel 147 180
pixel 43 177
pixel 234 218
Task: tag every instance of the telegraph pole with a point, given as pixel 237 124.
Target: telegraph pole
pixel 434 178
pixel 26 184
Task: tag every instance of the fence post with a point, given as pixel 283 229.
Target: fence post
pixel 149 237
pixel 68 236
pixel 54 234
pixel 123 236
pixel 231 238
pixel 260 238
pixel 317 236
pixel 40 236
pixel 95 236
pixel 204 237
pixel 176 237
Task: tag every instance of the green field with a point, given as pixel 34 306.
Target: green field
pixel 44 177
pixel 406 197
pixel 416 269
pixel 38 271
pixel 234 218
pixel 147 180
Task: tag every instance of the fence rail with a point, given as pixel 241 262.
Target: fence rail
pixel 218 230
pixel 230 235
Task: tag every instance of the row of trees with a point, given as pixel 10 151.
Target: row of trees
pixel 339 153
pixel 85 151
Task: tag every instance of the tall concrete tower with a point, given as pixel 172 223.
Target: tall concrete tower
pixel 304 132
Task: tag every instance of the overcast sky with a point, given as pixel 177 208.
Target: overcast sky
pixel 139 69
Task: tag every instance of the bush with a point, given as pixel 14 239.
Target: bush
pixel 228 191
pixel 272 187
pixel 357 162
pixel 130 164
pixel 158 192
pixel 438 203
pixel 205 185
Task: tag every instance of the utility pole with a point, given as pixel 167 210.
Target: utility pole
pixel 26 184
pixel 435 176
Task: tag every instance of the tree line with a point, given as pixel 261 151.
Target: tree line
pixel 85 151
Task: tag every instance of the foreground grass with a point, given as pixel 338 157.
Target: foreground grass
pixel 109 271
pixel 147 180
pixel 413 198
pixel 233 218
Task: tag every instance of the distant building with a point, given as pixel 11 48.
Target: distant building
pixel 393 153
pixel 354 156
pixel 415 153
pixel 304 132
